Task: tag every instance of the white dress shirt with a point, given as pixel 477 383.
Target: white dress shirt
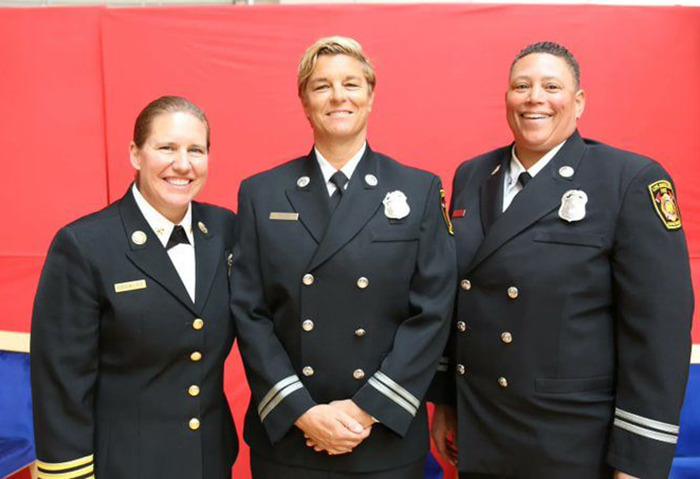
pixel 327 170
pixel 181 255
pixel 511 186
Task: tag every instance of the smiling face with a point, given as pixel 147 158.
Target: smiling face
pixel 543 103
pixel 337 99
pixel 172 163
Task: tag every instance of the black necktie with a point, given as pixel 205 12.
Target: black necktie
pixel 524 178
pixel 177 236
pixel 339 180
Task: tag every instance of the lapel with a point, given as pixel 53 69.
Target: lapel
pixel 311 200
pixel 208 252
pixel 491 194
pixel 150 257
pixel 360 202
pixel 542 195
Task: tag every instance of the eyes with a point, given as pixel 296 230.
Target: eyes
pixel 171 148
pixel 550 87
pixel 325 87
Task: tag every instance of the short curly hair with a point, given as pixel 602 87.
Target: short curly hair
pixel 555 49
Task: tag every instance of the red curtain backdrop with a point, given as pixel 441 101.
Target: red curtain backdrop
pixel 74 79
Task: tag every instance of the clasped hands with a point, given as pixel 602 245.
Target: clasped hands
pixel 336 428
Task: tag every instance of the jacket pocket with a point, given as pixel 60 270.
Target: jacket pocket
pixel 578 239
pixel 577 385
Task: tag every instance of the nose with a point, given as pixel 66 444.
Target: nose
pixel 536 94
pixel 181 163
pixel 338 93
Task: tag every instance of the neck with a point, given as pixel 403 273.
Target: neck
pixel 339 151
pixel 528 158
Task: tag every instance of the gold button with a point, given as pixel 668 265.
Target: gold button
pixel 307 371
pixel 360 332
pixel 506 337
pixel 194 423
pixel 503 382
pixel 196 356
pixel 308 279
pixel 461 370
pixel 198 324
pixel 307 325
pixel 461 326
pixel 466 284
pixel 362 282
pixel 358 374
pixel 512 292
pixel 193 390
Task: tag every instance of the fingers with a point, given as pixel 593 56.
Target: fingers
pixel 349 423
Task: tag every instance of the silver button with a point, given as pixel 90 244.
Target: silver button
pixel 307 325
pixel 513 292
pixel 358 374
pixel 466 284
pixel 461 326
pixel 506 337
pixel 360 332
pixel 303 181
pixel 362 282
pixel 308 279
pixel 371 180
pixel 503 382
pixel 461 370
pixel 307 371
pixel 566 171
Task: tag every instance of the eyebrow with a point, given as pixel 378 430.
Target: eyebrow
pixel 324 79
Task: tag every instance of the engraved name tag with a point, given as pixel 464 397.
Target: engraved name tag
pixel 277 215
pixel 130 286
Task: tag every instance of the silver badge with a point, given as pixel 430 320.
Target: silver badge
pixel 573 206
pixel 396 205
pixel 495 170
pixel 371 180
pixel 202 228
pixel 566 171
pixel 138 237
pixel 303 181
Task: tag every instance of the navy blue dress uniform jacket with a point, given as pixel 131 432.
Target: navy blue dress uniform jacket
pixel 349 305
pixel 571 340
pixel 127 373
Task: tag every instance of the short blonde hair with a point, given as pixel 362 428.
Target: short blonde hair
pixel 333 46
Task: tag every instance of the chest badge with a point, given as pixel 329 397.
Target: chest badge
pixel 573 206
pixel 396 205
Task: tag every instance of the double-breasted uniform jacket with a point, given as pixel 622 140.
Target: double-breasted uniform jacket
pixel 127 372
pixel 350 305
pixel 570 341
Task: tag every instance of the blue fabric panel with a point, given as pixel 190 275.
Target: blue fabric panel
pixel 686 465
pixel 16 429
pixel 432 468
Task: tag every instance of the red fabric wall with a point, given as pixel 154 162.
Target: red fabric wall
pixel 74 79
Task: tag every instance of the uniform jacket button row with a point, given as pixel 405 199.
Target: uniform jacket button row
pixel 308 279
pixel 197 324
pixel 194 423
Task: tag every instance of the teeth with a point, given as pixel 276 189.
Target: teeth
pixel 340 113
pixel 178 181
pixel 533 116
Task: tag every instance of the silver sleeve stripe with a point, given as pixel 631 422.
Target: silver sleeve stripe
pixel 274 390
pixel 658 436
pixel 396 387
pixel 278 399
pixel 393 396
pixel 646 422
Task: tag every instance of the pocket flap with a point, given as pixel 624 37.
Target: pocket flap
pixel 579 239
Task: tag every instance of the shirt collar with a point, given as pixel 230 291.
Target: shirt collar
pixel 161 225
pixel 327 170
pixel 516 167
